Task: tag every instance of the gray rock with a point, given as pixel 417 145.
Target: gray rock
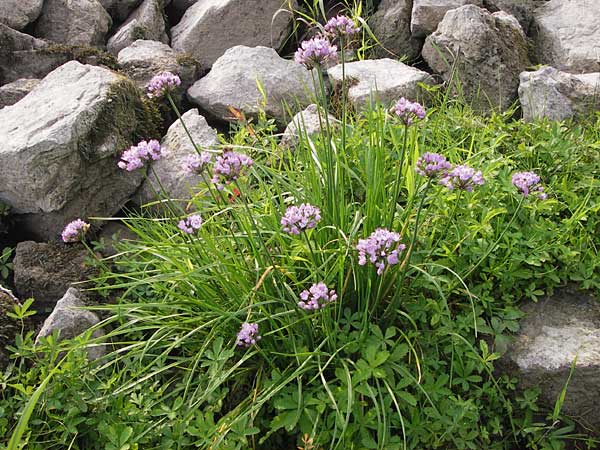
pixel 175 183
pixel 554 332
pixel 82 22
pixel 11 93
pixel 391 26
pixel 45 271
pixel 558 95
pixel 383 80
pixel 306 123
pixel 522 10
pixel 209 27
pixel 484 52
pixel 70 320
pixel 568 35
pixel 18 14
pixel 144 59
pixel 232 81
pixel 119 10
pixel 147 22
pixel 113 233
pixel 61 147
pixel 427 14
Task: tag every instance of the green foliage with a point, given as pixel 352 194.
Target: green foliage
pixel 6 265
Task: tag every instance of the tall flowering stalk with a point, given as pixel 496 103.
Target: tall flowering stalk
pixel 463 177
pixel 527 183
pixel 75 231
pixel 229 167
pixel 381 248
pixel 317 297
pixel 134 157
pixel 300 218
pixel 316 53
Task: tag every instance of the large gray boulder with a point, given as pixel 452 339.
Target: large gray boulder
pixel 554 332
pixel 427 14
pixel 210 27
pixel 557 95
pixel 233 82
pixel 383 80
pixel 144 59
pixel 306 123
pixel 70 320
pixel 82 22
pixel 119 10
pixel 18 14
pixel 568 35
pixel 168 177
pixel 484 52
pixel 11 93
pixel 61 144
pixel 147 22
pixel 391 26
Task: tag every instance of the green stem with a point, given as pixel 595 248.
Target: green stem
pixel 396 190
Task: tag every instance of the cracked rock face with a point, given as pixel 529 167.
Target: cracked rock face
pixel 306 124
pixel 11 93
pixel 427 14
pixel 17 14
pixel 391 25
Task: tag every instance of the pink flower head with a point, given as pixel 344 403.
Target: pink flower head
pixel 248 335
pixel 408 111
pixel 75 231
pixel 528 182
pixel 316 52
pixel 380 248
pixel 134 157
pixel 228 168
pixel 300 218
pixel 317 297
pixel 432 165
pixel 462 177
pixel 341 26
pixel 162 84
pixel 191 224
pixel 196 163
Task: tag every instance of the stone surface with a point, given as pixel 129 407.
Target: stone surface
pixel 83 22
pixel 305 123
pixel 210 27
pixel 45 271
pixel 558 95
pixel 9 327
pixel 568 35
pixel 554 332
pixel 484 52
pixel 11 93
pixel 391 26
pixel 119 10
pixel 427 14
pixel 182 5
pixel 146 22
pixel 175 182
pixel 522 10
pixel 18 14
pixel 384 80
pixel 232 81
pixel 70 320
pixel 144 59
pixel 114 232
pixel 61 144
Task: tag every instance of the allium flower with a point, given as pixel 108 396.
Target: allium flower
pixel 134 157
pixel 318 296
pixel 196 163
pixel 248 335
pixel 228 167
pixel 380 248
pixel 315 52
pixel 432 165
pixel 300 218
pixel 408 111
pixel 462 177
pixel 161 84
pixel 191 224
pixel 131 160
pixel 341 26
pixel 75 231
pixel 528 182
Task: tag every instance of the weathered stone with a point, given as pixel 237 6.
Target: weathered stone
pixel 9 327
pixel 70 320
pixel 18 14
pixel 11 93
pixel 147 22
pixel 547 92
pixel 59 157
pixel 481 54
pixel 82 22
pixel 144 59
pixel 391 26
pixel 119 10
pixel 306 123
pixel 233 78
pixel 427 14
pixel 45 271
pixel 567 35
pixel 209 27
pixel 522 10
pixel 173 181
pixel 382 80
pixel 554 332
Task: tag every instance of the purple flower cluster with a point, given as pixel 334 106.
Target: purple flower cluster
pixel 161 84
pixel 75 231
pixel 318 296
pixel 380 248
pixel 432 165
pixel 228 167
pixel 300 218
pixel 316 52
pixel 134 157
pixel 195 163
pixel 408 111
pixel 191 224
pixel 528 182
pixel 462 177
pixel 248 335
pixel 341 26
